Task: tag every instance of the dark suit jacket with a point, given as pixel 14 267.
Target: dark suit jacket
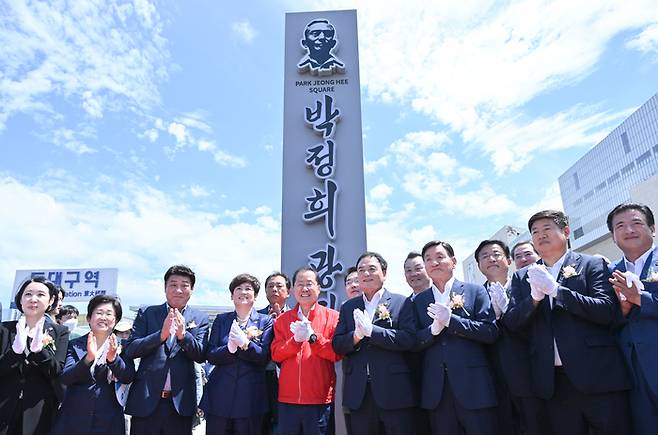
pixel 580 321
pixel 511 360
pixel 32 377
pixel 236 387
pixel 383 353
pixel 157 360
pixel 639 330
pixel 459 350
pixel 90 406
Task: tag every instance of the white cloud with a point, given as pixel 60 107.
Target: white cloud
pixel 198 191
pixel 551 199
pixel 244 30
pixel 179 132
pixel 475 202
pixel 381 192
pixel 262 210
pixel 71 140
pixel 479 63
pixel 646 41
pixel 236 214
pixel 114 61
pixel 370 167
pixel 135 228
pixel 513 143
pixel 226 159
pixel 151 134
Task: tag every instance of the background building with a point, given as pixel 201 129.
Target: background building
pixel 621 167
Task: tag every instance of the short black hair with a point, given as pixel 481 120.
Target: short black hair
pixel 625 206
pixel 378 256
pixel 524 242
pixel 282 275
pixel 350 270
pixel 433 243
pixel 486 243
pixel 66 310
pixel 242 279
pixel 105 299
pixel 181 270
pixel 413 254
pixel 560 219
pixel 52 291
pixel 306 269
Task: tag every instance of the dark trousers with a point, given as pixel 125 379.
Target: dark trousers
pixel 304 419
pixel 165 420
pixel 450 418
pixel 369 419
pixel 574 413
pixel 270 420
pixel 216 425
pixel 644 403
pixel 533 416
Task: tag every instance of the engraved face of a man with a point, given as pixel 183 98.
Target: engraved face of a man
pixel 319 39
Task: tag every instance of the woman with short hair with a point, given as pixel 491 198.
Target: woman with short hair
pixel 235 397
pixel 32 352
pixel 94 365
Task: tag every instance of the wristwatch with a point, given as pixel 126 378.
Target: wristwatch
pixel 313 338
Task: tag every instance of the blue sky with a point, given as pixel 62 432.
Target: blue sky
pixel 146 133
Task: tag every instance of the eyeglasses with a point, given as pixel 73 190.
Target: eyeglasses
pixel 494 255
pixel 107 314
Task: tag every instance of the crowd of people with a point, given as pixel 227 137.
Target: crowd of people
pixel 564 345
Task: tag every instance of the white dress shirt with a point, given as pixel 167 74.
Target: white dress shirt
pixel 371 305
pixel 443 298
pixel 638 266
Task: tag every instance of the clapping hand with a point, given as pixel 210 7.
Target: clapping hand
pixel 180 324
pixel 168 326
pixel 20 340
pixel 232 343
pixel 92 348
pixel 628 287
pixel 541 282
pixel 113 349
pixel 358 332
pixel 499 298
pixel 299 330
pixel 433 311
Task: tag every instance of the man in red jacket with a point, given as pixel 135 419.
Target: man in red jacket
pixel 302 344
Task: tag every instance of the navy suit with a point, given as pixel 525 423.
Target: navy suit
pixel 157 359
pixel 376 374
pixel 589 388
pixel 638 338
pixel 90 405
pixel 519 410
pixel 455 362
pixel 236 388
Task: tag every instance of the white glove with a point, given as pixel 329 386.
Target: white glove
pixel 541 279
pixel 241 339
pixel 37 342
pixel 436 327
pixel 20 341
pixel 366 323
pixel 443 314
pixel 358 332
pixel 306 330
pixel 631 279
pixel 299 331
pixel 232 343
pixel 499 298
